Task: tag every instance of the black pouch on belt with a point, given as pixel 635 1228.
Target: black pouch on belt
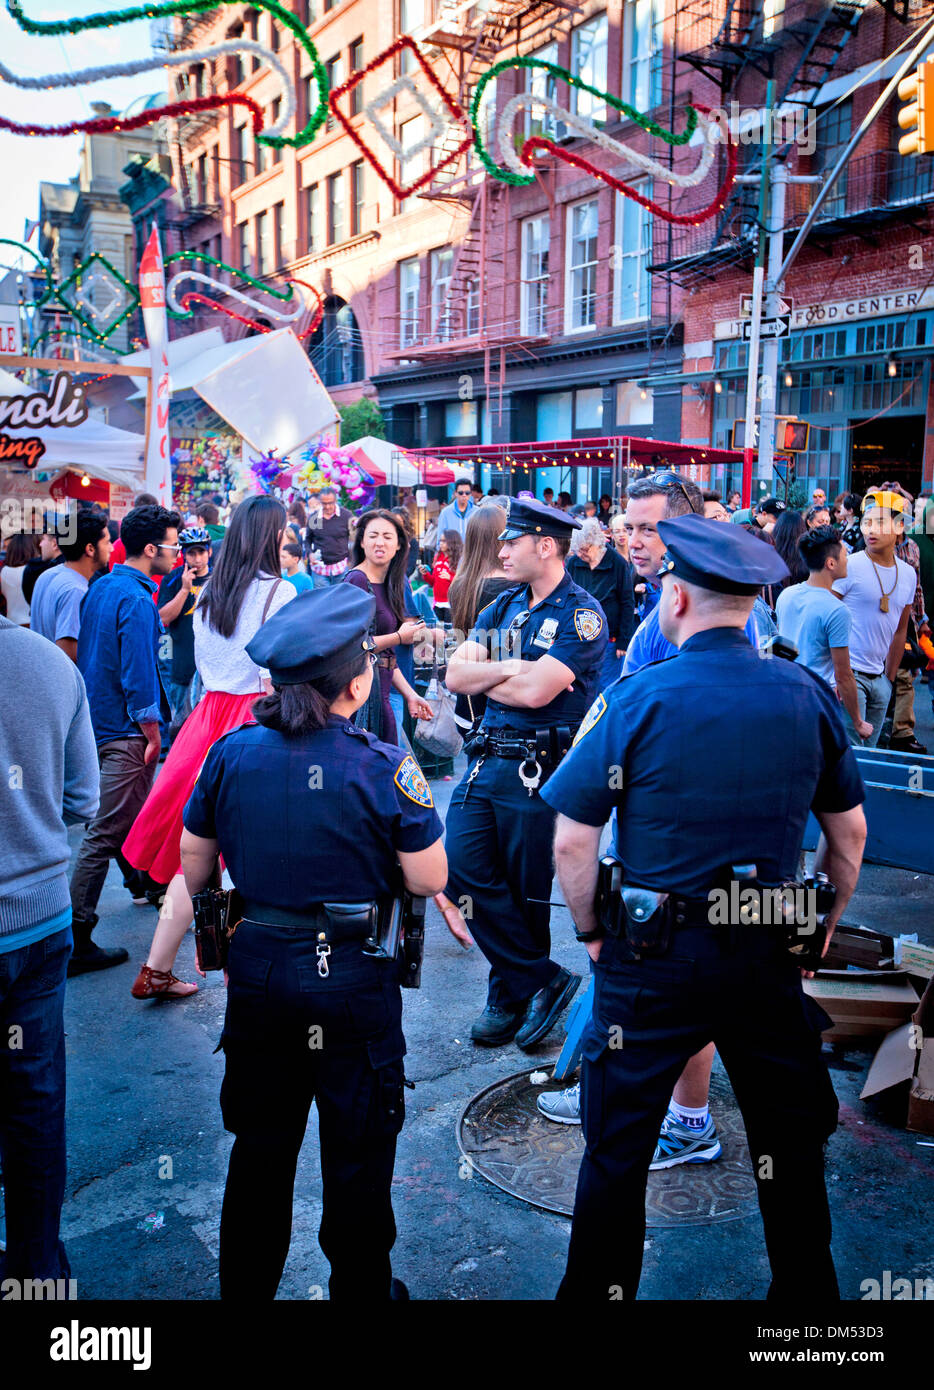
pixel 646 920
pixel 351 921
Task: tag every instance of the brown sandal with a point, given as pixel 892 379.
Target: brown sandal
pixel 149 983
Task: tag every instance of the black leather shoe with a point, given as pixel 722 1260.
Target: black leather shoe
pixel 907 744
pixel 91 957
pixel 497 1025
pixel 545 1006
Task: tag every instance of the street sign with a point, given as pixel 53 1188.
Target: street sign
pixel 768 328
pixel 785 306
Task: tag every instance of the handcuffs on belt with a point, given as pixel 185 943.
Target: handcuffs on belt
pixel 534 751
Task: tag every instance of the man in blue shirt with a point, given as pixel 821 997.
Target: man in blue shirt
pixel 670 749
pixel 118 658
pixel 455 516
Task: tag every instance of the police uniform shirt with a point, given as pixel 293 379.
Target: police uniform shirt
pixel 315 818
pixel 649 643
pixel 677 748
pixel 568 625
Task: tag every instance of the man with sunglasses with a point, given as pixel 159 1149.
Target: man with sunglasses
pixel 118 658
pixel 455 516
pixel 535 652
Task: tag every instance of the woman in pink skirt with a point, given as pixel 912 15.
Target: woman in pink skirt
pixel 243 591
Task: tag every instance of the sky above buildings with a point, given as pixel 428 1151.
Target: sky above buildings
pixel 26 161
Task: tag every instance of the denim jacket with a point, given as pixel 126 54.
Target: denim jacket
pixel 117 655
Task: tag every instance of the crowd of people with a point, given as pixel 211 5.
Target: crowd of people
pixel 171 640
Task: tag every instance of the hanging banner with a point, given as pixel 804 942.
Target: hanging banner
pixel 152 297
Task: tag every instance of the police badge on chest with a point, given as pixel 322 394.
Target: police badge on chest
pixel 545 637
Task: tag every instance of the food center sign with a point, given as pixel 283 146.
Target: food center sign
pixel 63 408
pixel 842 311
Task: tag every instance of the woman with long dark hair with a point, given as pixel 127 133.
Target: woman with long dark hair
pixel 789 526
pixel 377 565
pixel 20 549
pixel 245 588
pixel 480 577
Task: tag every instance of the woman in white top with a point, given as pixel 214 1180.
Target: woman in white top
pixel 19 549
pixel 245 588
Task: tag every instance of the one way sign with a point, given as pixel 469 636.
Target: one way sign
pixel 769 328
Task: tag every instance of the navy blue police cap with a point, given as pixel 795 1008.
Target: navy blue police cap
pixel 320 631
pixel 533 518
pixel 727 559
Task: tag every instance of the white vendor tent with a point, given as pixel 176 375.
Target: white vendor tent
pixel 264 387
pixel 100 450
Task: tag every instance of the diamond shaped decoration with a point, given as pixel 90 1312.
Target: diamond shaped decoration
pixel 450 133
pixel 98 296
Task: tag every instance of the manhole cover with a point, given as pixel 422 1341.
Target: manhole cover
pixel 507 1141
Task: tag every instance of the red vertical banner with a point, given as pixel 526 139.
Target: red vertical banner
pixel 155 319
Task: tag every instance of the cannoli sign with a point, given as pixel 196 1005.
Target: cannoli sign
pixel 63 408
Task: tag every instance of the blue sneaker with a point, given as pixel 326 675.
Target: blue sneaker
pixel 678 1143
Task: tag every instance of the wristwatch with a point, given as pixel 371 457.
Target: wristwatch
pixel 588 936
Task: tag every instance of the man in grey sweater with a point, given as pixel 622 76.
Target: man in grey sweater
pixel 48 779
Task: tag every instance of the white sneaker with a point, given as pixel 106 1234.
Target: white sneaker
pixel 562 1106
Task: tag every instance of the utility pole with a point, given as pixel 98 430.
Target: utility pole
pixel 752 363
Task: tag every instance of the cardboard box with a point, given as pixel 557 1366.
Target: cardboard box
pixel 916 959
pixel 899 1059
pixel 851 945
pixel 862 1003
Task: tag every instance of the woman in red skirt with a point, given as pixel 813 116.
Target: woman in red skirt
pixel 243 591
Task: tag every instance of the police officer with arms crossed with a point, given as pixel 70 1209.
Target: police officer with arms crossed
pixel 308 810
pixel 548 637
pixel 678 740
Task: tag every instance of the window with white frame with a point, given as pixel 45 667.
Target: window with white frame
pixel 441 263
pixel 642 84
pixel 409 276
pixel 536 235
pixel 632 246
pixel 412 162
pixel 473 307
pixel 544 84
pixel 411 16
pixel 580 286
pixel 588 62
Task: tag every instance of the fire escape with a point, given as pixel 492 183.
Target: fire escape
pixel 747 38
pixel 471 316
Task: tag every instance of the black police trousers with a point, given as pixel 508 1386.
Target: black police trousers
pixel 292 1036
pixel 649 1017
pixel 499 846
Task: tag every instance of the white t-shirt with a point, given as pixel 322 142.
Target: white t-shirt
pixel 222 662
pixel 873 630
pixel 11 585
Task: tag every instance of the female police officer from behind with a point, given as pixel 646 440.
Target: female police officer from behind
pixel 306 809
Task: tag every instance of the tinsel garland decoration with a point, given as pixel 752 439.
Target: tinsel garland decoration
pixel 179 306
pixel 84 271
pixel 438 120
pixel 687 219
pixel 184 58
pixel 105 125
pixel 588 131
pixel 109 18
pixel 43 265
pixel 564 75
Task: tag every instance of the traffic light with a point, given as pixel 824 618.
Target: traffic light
pixel 792 436
pixel 918 117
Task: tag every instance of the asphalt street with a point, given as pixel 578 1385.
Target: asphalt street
pixel 147 1151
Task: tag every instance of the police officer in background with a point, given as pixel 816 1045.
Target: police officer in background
pixel 691 808
pixel 308 810
pixel 535 652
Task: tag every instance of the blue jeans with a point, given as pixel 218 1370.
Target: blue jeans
pixel 873 693
pixel 32 1105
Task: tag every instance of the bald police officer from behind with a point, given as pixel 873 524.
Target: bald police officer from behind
pixel 672 750
pixel 311 815
pixel 535 652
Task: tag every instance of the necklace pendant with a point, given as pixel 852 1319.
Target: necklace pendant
pixel 884 603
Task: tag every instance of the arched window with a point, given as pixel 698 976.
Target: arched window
pixel 336 347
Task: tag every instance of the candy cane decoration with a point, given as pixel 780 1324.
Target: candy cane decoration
pixel 525 101
pixel 182 59
pixel 174 303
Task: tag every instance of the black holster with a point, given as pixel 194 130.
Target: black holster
pixel 216 912
pixel 640 915
pixel 400 928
